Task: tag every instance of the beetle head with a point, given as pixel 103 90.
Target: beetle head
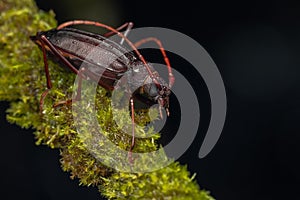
pixel 159 91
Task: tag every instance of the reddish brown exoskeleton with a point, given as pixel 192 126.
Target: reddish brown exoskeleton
pixel 111 61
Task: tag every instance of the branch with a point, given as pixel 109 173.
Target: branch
pixel 22 81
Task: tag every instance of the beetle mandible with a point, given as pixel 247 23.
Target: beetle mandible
pixel 111 60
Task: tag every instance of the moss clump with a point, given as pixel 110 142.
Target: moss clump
pixel 22 81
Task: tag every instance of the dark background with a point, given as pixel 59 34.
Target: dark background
pixel 256 46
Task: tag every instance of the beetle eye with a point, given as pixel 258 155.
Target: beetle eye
pixel 161 92
pixel 152 90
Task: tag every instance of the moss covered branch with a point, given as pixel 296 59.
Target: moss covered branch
pixel 22 81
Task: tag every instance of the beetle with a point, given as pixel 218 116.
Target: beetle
pixel 110 59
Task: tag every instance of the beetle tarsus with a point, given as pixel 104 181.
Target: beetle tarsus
pixel 66 102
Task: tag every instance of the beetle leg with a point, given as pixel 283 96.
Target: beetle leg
pixel 78 93
pixel 166 59
pixel 58 54
pixel 127 25
pixel 49 84
pixel 133 133
pixel 45 42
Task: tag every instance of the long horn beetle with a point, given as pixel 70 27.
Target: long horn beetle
pixel 111 60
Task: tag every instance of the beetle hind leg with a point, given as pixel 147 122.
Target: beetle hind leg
pixel 78 92
pixel 48 80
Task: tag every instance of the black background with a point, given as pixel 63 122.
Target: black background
pixel 255 45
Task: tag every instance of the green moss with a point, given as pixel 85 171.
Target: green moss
pixel 22 81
